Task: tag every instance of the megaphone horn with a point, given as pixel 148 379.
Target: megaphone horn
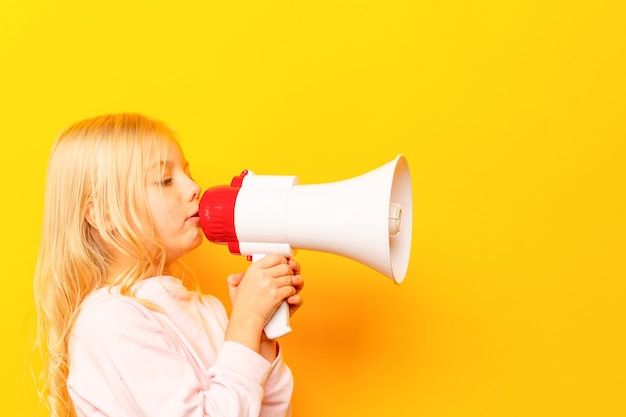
pixel 367 218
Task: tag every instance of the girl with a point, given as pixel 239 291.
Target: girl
pixel 122 335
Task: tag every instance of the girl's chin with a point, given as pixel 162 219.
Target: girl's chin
pixel 176 254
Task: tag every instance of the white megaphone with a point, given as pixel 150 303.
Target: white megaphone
pixel 367 218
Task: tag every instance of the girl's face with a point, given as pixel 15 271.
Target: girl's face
pixel 173 201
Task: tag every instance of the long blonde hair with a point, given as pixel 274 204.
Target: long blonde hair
pixel 98 164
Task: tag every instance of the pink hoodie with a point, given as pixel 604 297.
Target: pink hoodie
pixel 129 360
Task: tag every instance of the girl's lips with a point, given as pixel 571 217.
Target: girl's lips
pixel 193 219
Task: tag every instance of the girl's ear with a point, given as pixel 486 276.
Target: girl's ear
pixel 92 218
pixel 90 215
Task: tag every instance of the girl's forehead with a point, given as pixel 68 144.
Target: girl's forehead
pixel 170 153
pixel 173 151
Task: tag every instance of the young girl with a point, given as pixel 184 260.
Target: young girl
pixel 122 335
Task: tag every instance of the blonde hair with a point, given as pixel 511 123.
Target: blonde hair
pixel 100 165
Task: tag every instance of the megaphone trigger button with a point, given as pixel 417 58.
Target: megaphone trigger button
pixel 238 180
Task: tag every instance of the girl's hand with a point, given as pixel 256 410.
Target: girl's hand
pixel 295 301
pixel 256 295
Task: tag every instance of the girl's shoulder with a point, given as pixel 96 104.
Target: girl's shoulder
pixel 106 306
pixel 151 300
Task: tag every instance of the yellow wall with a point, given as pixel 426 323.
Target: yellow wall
pixel 511 114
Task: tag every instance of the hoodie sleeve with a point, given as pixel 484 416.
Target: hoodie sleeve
pixel 125 362
pixel 278 389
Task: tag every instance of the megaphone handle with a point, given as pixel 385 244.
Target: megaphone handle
pixel 278 325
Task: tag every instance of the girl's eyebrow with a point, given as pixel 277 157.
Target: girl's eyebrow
pixel 160 163
pixel 167 163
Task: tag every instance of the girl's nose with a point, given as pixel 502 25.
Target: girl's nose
pixel 196 190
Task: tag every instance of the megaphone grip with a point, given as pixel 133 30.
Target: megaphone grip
pixel 278 325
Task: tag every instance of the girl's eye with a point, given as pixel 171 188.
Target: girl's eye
pixel 165 182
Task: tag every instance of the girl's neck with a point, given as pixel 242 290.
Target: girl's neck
pixel 119 271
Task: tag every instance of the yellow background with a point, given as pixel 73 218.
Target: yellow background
pixel 512 117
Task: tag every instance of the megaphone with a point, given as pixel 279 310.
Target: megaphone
pixel 367 218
